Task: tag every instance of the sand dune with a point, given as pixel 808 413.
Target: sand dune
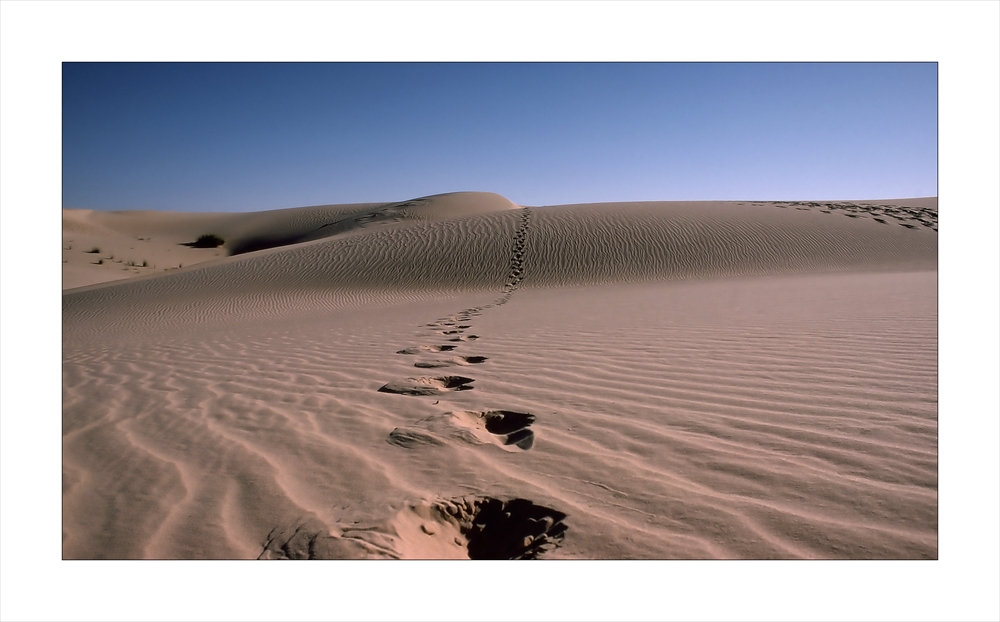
pixel 163 240
pixel 459 376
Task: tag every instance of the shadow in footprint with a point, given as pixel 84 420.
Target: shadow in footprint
pixel 506 421
pixel 427 386
pixel 515 529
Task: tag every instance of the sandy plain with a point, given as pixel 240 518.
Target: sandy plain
pixel 458 376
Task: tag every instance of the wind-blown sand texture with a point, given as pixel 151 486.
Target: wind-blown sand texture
pixel 457 376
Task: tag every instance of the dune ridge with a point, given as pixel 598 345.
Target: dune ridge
pixel 564 246
pixel 672 380
pixel 130 234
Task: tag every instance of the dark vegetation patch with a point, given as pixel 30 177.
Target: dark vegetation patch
pixel 514 529
pixel 208 240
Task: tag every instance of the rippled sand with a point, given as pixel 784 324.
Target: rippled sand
pixel 458 376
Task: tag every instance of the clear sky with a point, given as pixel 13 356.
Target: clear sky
pixel 242 136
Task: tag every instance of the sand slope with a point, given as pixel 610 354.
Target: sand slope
pixel 564 245
pixel 458 376
pixel 127 240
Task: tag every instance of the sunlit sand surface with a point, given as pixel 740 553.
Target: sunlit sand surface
pixel 458 376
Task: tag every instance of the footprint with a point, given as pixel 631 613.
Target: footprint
pixel 497 529
pixel 408 438
pixel 504 428
pixel 419 349
pixel 469 527
pixel 311 539
pixel 449 322
pixel 427 386
pixel 511 426
pixel 457 360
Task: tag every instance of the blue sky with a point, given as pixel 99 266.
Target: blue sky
pixel 240 137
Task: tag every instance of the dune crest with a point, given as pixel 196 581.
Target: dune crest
pixel 147 243
pixel 489 248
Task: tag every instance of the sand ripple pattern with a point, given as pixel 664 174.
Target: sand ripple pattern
pixel 570 245
pixel 233 410
pixel 590 244
pixel 683 432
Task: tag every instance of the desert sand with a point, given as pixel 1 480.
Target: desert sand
pixel 458 376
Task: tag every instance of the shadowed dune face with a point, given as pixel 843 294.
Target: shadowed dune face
pixel 167 241
pixel 161 240
pixel 434 208
pixel 661 380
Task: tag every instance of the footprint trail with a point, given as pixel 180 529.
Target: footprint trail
pixel 478 527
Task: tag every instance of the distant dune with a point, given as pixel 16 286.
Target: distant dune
pixel 460 376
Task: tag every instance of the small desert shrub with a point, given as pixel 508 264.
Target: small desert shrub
pixel 94 250
pixel 208 240
pixel 143 263
pixel 100 262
